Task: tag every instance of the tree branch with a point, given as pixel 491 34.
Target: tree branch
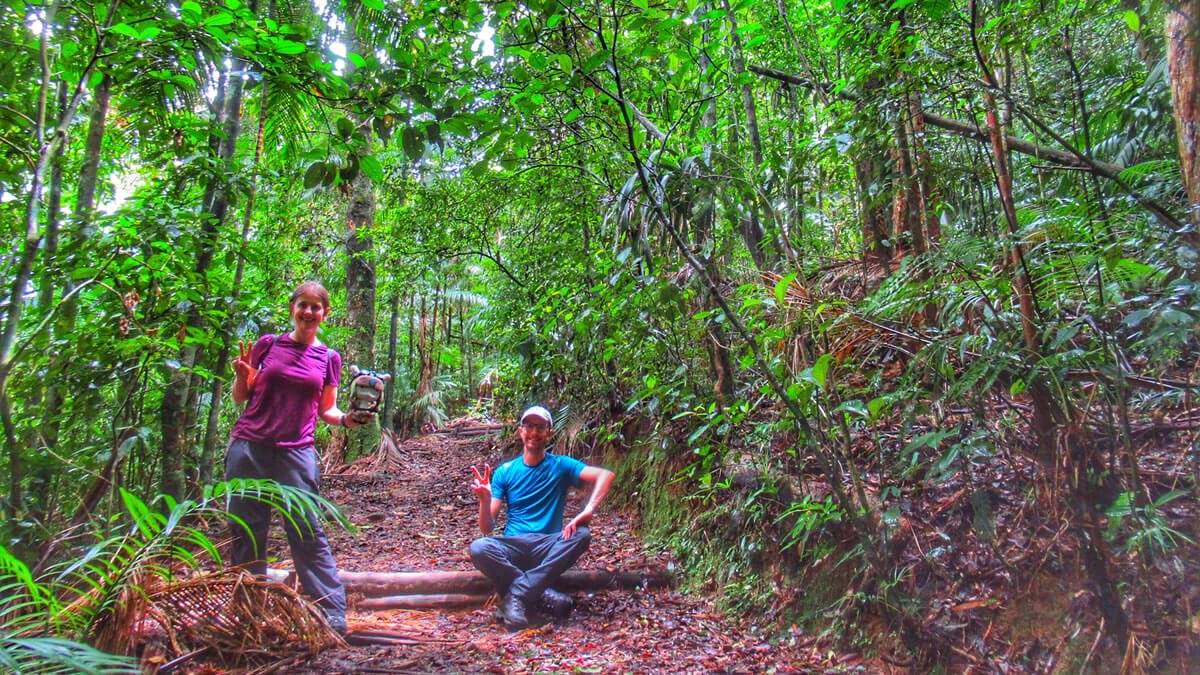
pixel 967 130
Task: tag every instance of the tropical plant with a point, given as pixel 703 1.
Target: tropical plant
pixel 101 601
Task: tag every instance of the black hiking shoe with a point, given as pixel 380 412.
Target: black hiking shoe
pixel 512 610
pixel 558 605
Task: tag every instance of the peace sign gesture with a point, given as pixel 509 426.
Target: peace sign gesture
pixel 481 484
pixel 241 365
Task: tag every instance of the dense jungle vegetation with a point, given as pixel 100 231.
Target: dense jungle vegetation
pixel 884 311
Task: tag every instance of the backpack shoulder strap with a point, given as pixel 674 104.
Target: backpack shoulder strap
pixel 270 343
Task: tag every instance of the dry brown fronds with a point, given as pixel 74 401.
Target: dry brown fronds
pixel 845 336
pixel 230 616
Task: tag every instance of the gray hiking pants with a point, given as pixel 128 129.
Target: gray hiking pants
pixel 310 548
pixel 527 564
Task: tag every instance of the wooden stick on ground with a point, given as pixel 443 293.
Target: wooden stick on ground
pixel 380 584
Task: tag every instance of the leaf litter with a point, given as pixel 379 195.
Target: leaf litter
pixel 421 516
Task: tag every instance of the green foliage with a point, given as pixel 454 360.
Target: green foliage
pixel 808 516
pixel 46 623
pixel 569 211
pixel 1145 524
pixel 52 655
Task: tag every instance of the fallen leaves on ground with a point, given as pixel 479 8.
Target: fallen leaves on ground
pixel 424 517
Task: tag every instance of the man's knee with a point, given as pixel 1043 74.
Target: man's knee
pixel 581 539
pixel 484 548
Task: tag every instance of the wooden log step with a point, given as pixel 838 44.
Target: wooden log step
pixel 442 601
pixel 472 583
pixel 382 584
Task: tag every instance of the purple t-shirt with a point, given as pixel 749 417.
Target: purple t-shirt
pixel 284 402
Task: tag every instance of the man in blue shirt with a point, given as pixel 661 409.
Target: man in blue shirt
pixel 536 547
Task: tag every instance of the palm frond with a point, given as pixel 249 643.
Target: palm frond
pixel 55 655
pixel 102 595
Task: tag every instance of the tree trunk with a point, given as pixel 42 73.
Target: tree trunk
pixel 764 248
pixel 360 299
pixel 389 403
pixel 48 139
pixel 924 169
pixel 43 472
pixel 1043 415
pixel 870 175
pixel 81 233
pixel 174 412
pixel 212 436
pixel 1183 67
pixel 704 218
pixel 424 358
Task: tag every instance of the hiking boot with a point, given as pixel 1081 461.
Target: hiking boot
pixel 338 623
pixel 559 605
pixel 512 609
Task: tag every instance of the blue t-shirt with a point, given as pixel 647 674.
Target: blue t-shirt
pixel 536 495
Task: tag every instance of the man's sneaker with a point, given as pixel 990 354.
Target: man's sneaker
pixel 559 605
pixel 512 609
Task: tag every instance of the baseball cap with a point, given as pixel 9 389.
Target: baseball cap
pixel 538 411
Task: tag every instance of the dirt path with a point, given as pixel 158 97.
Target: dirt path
pixel 423 517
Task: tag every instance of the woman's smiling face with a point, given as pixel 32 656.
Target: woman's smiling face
pixel 308 311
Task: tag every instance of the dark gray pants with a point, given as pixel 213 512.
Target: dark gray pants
pixel 310 548
pixel 526 565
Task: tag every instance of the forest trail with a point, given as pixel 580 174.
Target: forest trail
pixel 421 517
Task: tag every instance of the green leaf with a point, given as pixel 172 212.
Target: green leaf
pixel 222 19
pixel 875 405
pixel 314 175
pixel 190 12
pixel 358 61
pixel 126 30
pixel 641 4
pixel 413 142
pixel 781 287
pixel 820 369
pixel 854 407
pixel 345 128
pixel 932 439
pixel 1132 20
pixel 289 47
pixel 376 5
pixel 1017 387
pixel 371 166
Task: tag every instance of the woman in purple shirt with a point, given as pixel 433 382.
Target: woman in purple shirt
pixel 288 381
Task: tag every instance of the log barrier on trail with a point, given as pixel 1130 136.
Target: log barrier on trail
pixel 457 590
